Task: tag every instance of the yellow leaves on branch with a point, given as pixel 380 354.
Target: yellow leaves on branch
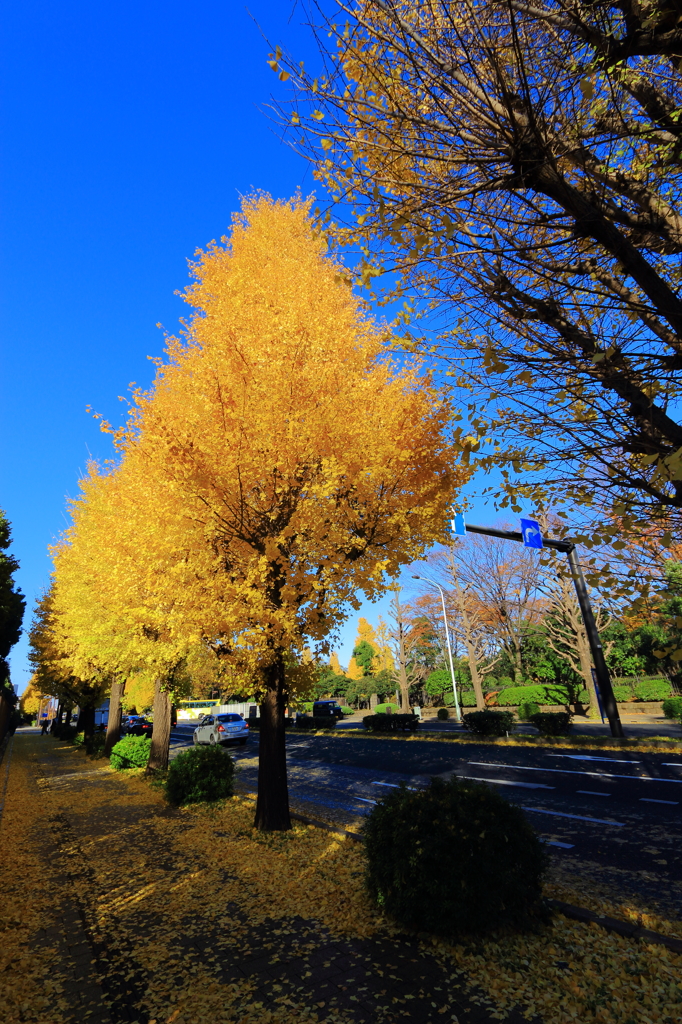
pixel 285 457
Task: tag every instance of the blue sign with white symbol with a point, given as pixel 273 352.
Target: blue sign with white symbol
pixel 457 525
pixel 532 534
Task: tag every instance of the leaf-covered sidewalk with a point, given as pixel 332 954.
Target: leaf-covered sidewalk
pixel 123 910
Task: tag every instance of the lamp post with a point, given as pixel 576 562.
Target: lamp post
pixel 433 583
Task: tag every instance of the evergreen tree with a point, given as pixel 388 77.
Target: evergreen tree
pixel 12 601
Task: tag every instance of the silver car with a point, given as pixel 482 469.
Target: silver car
pixel 222 729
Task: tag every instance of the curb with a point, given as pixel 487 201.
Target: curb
pixel 611 924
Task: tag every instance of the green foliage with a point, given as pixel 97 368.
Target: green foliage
pixel 347 711
pixel 622 694
pixel 200 774
pixel 552 723
pixel 311 723
pixel 390 723
pixel 130 752
pixel 364 655
pixel 425 856
pixel 438 682
pixel 443 714
pixel 468 699
pixel 672 708
pixel 489 723
pixel 528 708
pixel 652 689
pixel 12 601
pixel 382 709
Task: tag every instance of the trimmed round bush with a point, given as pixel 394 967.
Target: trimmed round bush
pixel 652 689
pixel 672 708
pixel 527 709
pixel 200 774
pixel 347 711
pixel 489 723
pixel 443 714
pixel 552 723
pixel 425 852
pixel 622 693
pixel 382 709
pixel 130 752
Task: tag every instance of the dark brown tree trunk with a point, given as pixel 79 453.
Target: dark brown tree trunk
pixel 114 720
pixel 272 806
pixel 158 755
pixel 86 722
pixel 60 713
pixel 67 720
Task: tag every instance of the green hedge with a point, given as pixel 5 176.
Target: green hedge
pixel 672 708
pixel 552 723
pixel 427 853
pixel 652 689
pixel 200 774
pixel 528 708
pixel 130 752
pixel 347 711
pixel 390 723
pixel 382 709
pixel 537 693
pixel 320 722
pixel 489 723
pixel 468 699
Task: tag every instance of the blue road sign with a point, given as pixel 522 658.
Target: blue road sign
pixel 457 524
pixel 532 534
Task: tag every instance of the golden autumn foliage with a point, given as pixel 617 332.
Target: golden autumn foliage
pixel 302 464
pixel 30 699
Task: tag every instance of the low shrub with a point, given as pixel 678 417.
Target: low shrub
pixel 652 689
pixel 130 752
pixel 552 723
pixel 425 852
pixel 198 775
pixel 390 723
pixel 468 699
pixel 382 709
pixel 526 709
pixel 443 714
pixel 537 693
pixel 65 732
pixel 347 711
pixel 489 723
pixel 672 707
pixel 317 722
pixel 622 693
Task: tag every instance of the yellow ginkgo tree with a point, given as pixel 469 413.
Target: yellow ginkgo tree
pixel 297 464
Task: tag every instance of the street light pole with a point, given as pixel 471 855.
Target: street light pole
pixel 433 583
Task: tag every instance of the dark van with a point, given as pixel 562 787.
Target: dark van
pixel 327 707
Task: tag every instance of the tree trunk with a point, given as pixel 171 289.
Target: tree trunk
pixel 586 673
pixel 86 722
pixel 114 720
pixel 158 754
pixel 67 720
pixel 60 713
pixel 272 806
pixel 469 643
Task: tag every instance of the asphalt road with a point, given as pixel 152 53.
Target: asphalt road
pixel 618 812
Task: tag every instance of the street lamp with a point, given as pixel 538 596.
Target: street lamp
pixel 433 583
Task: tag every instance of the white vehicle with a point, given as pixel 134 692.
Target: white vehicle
pixel 221 729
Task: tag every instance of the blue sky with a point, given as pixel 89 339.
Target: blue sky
pixel 129 133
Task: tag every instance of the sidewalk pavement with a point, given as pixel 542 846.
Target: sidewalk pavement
pixel 114 867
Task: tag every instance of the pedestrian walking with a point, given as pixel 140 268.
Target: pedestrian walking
pixel 44 726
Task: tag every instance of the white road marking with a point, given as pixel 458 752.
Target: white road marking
pixel 568 771
pixel 578 817
pixel 505 782
pixel 591 792
pixel 672 764
pixel 650 800
pixel 587 757
pixel 393 785
pixel 554 842
pixel 364 800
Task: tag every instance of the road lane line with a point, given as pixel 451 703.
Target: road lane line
pixel 505 782
pixel 364 800
pixel 671 764
pixel 591 792
pixel 394 785
pixel 578 817
pixel 568 771
pixel 650 800
pixel 555 842
pixel 587 757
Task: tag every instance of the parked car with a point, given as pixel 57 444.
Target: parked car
pixel 222 729
pixel 327 707
pixel 139 727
